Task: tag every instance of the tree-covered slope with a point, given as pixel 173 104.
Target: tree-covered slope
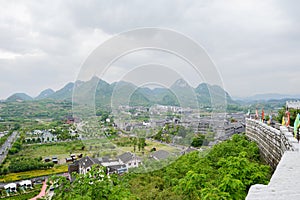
pixel 225 172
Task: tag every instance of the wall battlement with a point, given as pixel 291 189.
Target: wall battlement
pixel 271 141
pixel 280 150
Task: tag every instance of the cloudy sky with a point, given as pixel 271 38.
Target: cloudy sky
pixel 254 44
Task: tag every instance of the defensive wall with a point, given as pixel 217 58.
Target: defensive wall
pixel 280 150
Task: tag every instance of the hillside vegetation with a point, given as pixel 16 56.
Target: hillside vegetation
pixel 225 172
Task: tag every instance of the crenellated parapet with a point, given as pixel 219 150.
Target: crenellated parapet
pixel 281 150
pixel 271 141
pixel 289 143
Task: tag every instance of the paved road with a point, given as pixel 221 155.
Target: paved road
pixel 7 145
pixel 43 191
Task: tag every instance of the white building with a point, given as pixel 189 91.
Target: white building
pixel 26 184
pixel 11 187
pixel 130 160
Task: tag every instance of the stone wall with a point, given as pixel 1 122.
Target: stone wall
pixel 271 141
pixel 284 183
pixel 281 150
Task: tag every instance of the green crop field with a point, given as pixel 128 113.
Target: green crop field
pixel 34 173
pixel 48 150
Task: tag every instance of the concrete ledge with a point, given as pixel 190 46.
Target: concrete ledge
pixel 284 183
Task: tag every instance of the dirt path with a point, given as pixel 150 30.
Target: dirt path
pixel 43 191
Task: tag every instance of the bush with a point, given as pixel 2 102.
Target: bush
pixel 16 147
pixel 198 141
pixel 21 165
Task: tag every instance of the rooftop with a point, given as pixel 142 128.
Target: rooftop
pixel 293 104
pixel 125 157
pixel 88 161
pixel 160 155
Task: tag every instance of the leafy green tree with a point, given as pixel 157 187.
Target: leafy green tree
pixel 16 147
pixel 225 172
pixel 16 127
pixel 27 164
pixel 198 141
pixel 211 192
pixel 191 184
pixel 142 143
pixel 95 184
pixel 233 186
pixel 293 115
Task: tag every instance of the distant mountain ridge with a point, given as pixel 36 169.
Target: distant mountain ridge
pixel 122 93
pixel 267 97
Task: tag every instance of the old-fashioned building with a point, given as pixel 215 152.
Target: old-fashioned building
pixel 130 159
pixel 83 165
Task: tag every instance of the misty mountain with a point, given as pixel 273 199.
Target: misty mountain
pixel 63 94
pixel 103 94
pixel 19 97
pixel 158 95
pixel 125 93
pixel 184 93
pixel 45 94
pixel 207 93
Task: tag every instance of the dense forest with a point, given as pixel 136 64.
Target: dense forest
pixel 224 172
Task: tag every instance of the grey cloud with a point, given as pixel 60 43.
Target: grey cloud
pixel 248 40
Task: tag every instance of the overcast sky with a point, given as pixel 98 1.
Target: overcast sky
pixel 254 44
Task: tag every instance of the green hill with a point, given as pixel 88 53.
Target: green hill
pixel 19 97
pixel 125 93
pixel 45 94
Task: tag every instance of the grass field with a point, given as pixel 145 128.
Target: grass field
pixel 60 149
pixel 148 147
pixel 93 147
pixel 100 147
pixel 160 146
pixel 48 150
pixel 34 173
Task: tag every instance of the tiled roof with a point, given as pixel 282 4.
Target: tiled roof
pixel 160 155
pixel 125 157
pixel 88 161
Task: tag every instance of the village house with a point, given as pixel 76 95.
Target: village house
pixel 85 164
pixel 130 160
pixel 26 184
pixel 118 166
pixel 82 166
pixel 11 187
pixel 113 166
